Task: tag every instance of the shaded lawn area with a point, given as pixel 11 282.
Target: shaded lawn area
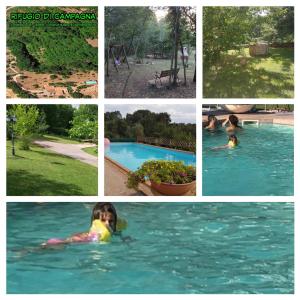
pixel 251 77
pixel 40 172
pixel 133 83
pixel 91 150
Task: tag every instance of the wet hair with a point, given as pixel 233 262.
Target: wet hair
pixel 102 207
pixel 233 138
pixel 234 120
pixel 211 117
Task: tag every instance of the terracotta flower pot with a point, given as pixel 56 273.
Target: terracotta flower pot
pixel 170 189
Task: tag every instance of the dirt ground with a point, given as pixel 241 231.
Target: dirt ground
pixel 133 82
pixel 93 42
pixel 39 84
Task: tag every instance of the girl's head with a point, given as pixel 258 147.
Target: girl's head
pixel 106 213
pixel 232 138
pixel 234 120
pixel 211 118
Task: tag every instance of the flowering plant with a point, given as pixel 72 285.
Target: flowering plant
pixel 158 171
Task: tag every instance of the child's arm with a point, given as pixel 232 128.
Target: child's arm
pixel 225 122
pixel 84 237
pixel 220 147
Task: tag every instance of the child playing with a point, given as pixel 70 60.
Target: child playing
pixel 104 223
pixel 118 61
pixel 233 124
pixel 232 142
pixel 212 123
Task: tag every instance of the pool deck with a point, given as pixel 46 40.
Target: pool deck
pixel 115 182
pixel 282 118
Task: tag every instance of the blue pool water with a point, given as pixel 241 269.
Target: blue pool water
pixel 133 155
pixel 175 248
pixel 262 164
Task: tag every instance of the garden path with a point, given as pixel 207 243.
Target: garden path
pixel 71 150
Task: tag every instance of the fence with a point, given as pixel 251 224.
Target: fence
pixel 170 143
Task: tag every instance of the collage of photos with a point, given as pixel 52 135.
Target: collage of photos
pixel 210 162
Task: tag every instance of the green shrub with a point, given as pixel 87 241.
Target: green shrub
pixel 25 142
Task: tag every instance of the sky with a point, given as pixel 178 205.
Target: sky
pixel 180 113
pixel 160 13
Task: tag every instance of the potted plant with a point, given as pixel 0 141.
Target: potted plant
pixel 171 178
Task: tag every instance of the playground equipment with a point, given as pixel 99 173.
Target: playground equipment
pixel 118 54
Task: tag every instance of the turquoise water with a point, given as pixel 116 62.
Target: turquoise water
pixel 132 155
pixel 175 248
pixel 262 164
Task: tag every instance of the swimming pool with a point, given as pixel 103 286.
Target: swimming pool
pixel 262 164
pixel 176 248
pixel 133 155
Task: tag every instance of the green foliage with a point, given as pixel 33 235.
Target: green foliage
pixel 29 122
pixel 146 123
pixel 52 46
pixel 224 28
pixel 53 76
pixel 280 107
pixel 158 171
pixel 58 117
pixel 18 90
pixel 85 123
pixel 230 28
pixel 138 29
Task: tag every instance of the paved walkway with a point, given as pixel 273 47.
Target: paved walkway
pixel 115 182
pixel 71 150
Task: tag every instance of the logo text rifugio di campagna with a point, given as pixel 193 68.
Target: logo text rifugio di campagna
pixel 53 16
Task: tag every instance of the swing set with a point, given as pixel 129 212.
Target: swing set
pixel 118 55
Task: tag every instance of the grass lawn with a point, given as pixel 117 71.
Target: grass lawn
pixel 59 139
pixel 40 172
pixel 91 150
pixel 242 76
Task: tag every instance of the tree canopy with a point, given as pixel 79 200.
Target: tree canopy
pixel 146 123
pixel 229 28
pixel 141 32
pixel 52 45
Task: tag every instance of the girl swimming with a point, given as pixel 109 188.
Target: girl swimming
pixel 232 142
pixel 104 223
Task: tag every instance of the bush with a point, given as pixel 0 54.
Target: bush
pixel 25 142
pixel 158 171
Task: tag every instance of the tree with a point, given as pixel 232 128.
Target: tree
pixel 85 123
pixel 231 28
pixel 224 28
pixel 58 117
pixel 29 121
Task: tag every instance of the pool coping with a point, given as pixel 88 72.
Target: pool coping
pixel 145 187
pixel 264 118
pixel 178 150
pixel 167 148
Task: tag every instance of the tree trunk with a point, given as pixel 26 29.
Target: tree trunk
pixel 176 40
